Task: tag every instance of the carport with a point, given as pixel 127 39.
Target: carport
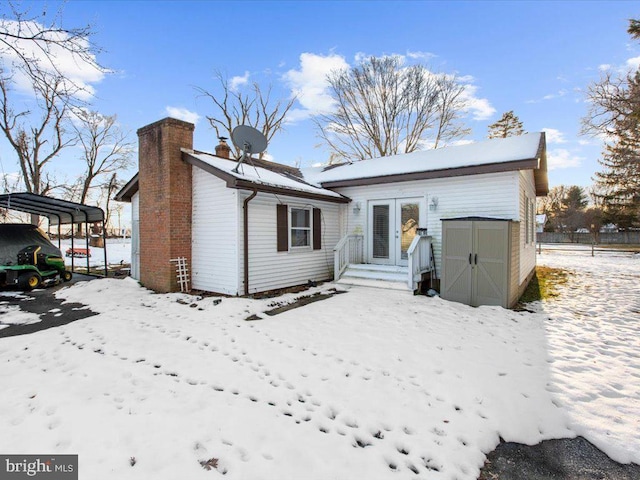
pixel 58 212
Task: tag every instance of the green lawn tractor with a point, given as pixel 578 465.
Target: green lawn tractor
pixel 36 264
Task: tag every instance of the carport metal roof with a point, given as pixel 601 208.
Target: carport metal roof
pixel 59 212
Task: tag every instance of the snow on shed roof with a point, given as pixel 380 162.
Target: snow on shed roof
pixel 263 179
pixel 528 147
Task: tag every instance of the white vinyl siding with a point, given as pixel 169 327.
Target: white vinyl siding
pixel 270 269
pixel 215 237
pixel 492 195
pixel 526 215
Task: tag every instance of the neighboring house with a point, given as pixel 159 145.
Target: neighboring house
pixel 541 221
pixel 265 226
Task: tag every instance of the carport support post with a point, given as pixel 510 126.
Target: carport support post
pixel 104 247
pixel 73 263
pixel 86 239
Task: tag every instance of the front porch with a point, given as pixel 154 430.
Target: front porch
pixel 351 267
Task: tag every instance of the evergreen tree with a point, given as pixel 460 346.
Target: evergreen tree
pixel 564 207
pixel 509 125
pixel 634 28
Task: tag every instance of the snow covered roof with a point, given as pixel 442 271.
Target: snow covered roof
pixel 524 152
pixel 503 154
pixel 258 175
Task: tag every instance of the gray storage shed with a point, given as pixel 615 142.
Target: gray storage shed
pixel 480 261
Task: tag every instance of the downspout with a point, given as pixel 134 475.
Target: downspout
pixel 246 239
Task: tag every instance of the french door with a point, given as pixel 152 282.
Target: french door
pixel 392 227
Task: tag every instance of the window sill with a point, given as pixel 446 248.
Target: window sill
pixel 300 249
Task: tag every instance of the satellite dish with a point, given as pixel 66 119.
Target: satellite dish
pixel 249 140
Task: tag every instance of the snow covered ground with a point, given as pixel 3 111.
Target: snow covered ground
pixel 12 314
pixel 593 335
pixel 118 251
pixel 369 384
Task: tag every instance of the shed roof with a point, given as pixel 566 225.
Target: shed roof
pixel 504 154
pixel 59 212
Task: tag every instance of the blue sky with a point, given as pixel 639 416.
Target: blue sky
pixel 535 58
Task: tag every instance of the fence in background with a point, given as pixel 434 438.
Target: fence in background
pixel 592 248
pixel 613 238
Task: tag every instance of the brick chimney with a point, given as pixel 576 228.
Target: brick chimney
pixel 165 201
pixel 223 149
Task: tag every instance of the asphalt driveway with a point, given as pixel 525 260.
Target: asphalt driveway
pixel 42 302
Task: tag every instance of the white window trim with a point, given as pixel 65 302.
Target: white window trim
pixel 532 213
pixel 526 220
pixel 309 229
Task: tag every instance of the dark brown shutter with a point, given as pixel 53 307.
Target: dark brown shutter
pixel 317 229
pixel 283 227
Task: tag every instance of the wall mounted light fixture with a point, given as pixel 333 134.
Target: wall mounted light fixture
pixel 356 208
pixel 434 203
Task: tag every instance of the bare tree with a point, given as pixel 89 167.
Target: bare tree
pixel 255 108
pixel 35 51
pixel 609 105
pixel 105 147
pixel 384 108
pixel 614 114
pixel 36 137
pixel 36 42
pixel 105 150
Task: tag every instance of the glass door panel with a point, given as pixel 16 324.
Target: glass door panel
pixel 409 215
pixel 381 241
pixel 381 231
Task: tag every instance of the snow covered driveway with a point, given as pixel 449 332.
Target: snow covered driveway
pixel 369 384
pixel 593 335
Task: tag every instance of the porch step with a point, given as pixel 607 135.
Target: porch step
pixel 381 276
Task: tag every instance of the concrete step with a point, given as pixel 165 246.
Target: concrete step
pixel 382 276
pixel 377 268
pixel 365 282
pixel 375 275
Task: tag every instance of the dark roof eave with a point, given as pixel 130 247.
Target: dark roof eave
pixel 527 164
pixel 128 191
pixel 248 185
pixel 540 174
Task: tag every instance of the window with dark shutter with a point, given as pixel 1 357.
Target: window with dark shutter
pixel 317 229
pixel 282 221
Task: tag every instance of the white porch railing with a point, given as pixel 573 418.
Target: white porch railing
pixel 420 259
pixel 350 249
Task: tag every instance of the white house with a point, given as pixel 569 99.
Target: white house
pixel 265 226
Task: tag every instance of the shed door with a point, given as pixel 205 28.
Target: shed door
pixel 491 245
pixel 457 245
